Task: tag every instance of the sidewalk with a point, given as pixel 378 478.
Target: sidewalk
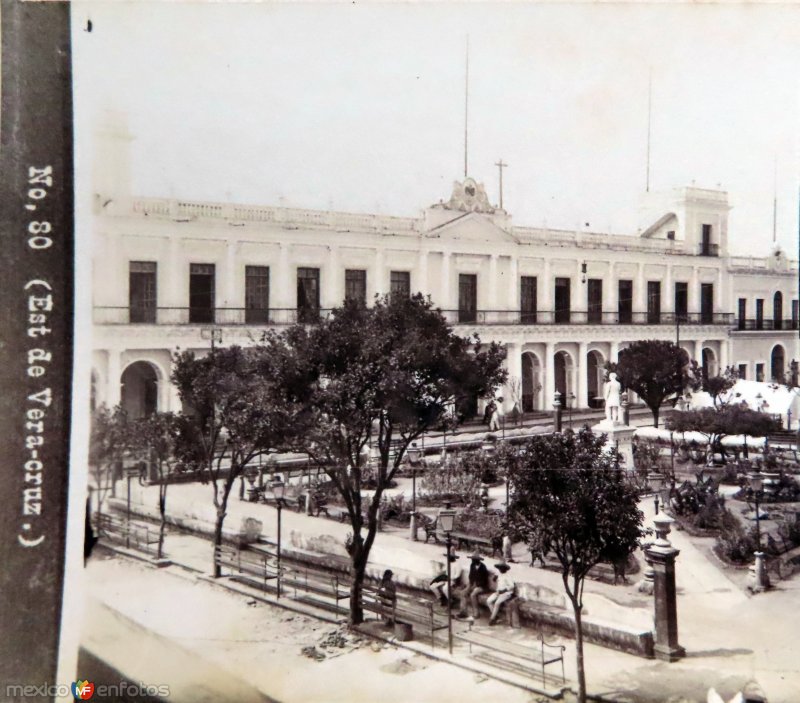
pixel 731 638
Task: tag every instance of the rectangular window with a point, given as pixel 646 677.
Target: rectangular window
pixel 742 313
pixel 759 313
pixel 527 300
pixel 307 295
pixel 142 291
pixel 760 372
pixel 562 300
pixel 706 247
pixel 653 302
pixel 594 300
pixel 682 301
pixel 625 305
pixel 256 295
pixel 706 303
pixel 795 314
pixel 743 371
pixel 400 283
pixel 467 297
pixel 201 292
pixel 355 285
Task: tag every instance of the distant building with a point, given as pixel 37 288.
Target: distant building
pixel 166 272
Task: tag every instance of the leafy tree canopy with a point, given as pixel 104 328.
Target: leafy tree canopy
pixel 656 370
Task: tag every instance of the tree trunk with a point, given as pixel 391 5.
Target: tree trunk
pixel 655 415
pixel 218 538
pixel 359 568
pixel 577 609
pixel 162 508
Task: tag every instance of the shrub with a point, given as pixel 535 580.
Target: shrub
pixel 475 522
pixel 734 542
pixel 457 480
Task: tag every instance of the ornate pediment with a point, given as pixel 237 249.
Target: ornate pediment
pixel 469 196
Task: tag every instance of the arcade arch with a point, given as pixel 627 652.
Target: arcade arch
pixel 140 381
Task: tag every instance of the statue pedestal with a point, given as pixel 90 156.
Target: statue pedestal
pixel 620 437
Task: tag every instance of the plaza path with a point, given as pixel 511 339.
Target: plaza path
pixel 731 637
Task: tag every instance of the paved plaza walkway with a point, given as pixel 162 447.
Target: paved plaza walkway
pixel 731 637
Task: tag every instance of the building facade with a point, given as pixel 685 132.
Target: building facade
pixel 171 274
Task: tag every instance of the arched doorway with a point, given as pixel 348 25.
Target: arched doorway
pixel 594 377
pixel 777 311
pixel 708 363
pixel 531 382
pixel 563 367
pixel 139 390
pixel 777 362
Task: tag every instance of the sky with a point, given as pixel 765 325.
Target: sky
pixel 360 107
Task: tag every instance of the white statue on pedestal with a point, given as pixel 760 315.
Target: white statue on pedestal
pixel 611 393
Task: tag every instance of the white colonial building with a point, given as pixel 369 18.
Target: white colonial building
pixel 174 274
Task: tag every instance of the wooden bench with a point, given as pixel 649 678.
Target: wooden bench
pixel 296 503
pixel 526 658
pixel 258 567
pixel 405 609
pixel 117 529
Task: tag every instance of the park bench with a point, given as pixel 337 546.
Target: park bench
pixel 259 568
pixel 462 540
pixel 528 659
pixel 405 609
pixel 141 537
pixel 296 503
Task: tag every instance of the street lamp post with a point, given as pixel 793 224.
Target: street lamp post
pixel 656 482
pixel 414 455
pixel 447 519
pixel 278 488
pixel 756 481
pixel 571 402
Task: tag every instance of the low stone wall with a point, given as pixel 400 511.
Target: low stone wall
pixel 540 607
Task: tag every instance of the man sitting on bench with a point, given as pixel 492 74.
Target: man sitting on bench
pixel 478 583
pixel 506 589
pixel 438 585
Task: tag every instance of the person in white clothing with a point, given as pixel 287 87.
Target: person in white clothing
pixel 506 589
pixel 438 585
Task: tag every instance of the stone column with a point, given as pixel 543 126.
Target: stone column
pixel 613 355
pixel 334 278
pixel 231 300
pixel 612 302
pixel 175 279
pixel 421 283
pixel 114 381
pixel 661 556
pixel 286 292
pixel 546 288
pixel 514 366
pixel 445 285
pixel 493 284
pixel 582 391
pixel 548 371
pixel 380 283
pixel 694 292
pixel 513 285
pixel 640 292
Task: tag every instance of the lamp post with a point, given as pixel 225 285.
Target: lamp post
pixel 447 519
pixel 672 453
pixel 414 455
pixel 571 402
pixel 756 481
pixel 656 482
pixel 136 471
pixel 278 488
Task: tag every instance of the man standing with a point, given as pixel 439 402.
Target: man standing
pixel 478 583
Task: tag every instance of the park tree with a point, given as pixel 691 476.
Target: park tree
pixel 718 386
pixel 718 422
pixel 656 370
pixel 381 376
pixel 241 405
pixel 569 498
pixel 107 443
pixel 153 439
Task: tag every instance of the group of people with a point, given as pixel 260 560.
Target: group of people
pixel 467 587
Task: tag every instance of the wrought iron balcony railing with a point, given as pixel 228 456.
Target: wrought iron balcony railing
pixel 749 324
pixel 104 315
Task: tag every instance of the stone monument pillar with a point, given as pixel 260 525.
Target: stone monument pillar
pixel 661 556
